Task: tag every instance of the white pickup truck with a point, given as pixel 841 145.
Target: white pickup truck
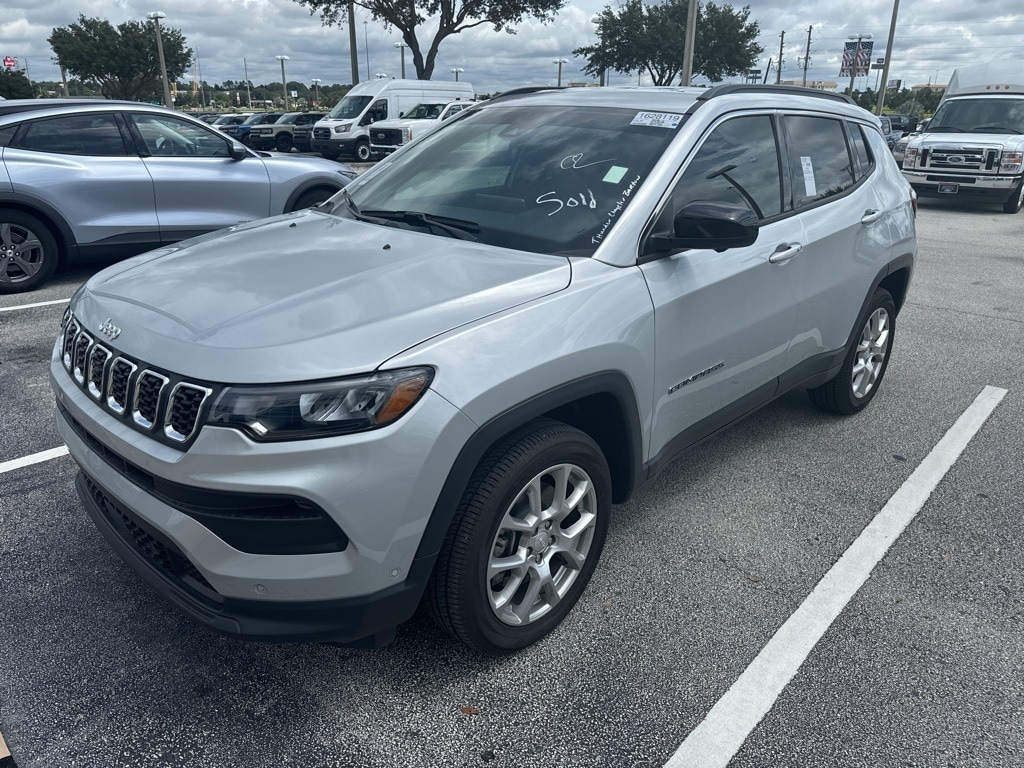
pixel 973 147
pixel 388 135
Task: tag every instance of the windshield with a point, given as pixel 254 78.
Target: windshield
pixel 987 115
pixel 350 107
pixel 546 179
pixel 288 119
pixel 424 112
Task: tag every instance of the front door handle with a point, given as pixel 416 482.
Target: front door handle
pixel 785 252
pixel 871 216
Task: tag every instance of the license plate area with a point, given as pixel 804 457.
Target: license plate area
pixel 945 188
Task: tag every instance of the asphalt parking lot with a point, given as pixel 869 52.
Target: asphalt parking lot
pixel 921 665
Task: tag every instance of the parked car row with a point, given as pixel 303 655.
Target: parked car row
pixel 81 178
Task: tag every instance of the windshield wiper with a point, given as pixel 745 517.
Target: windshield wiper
pixel 945 129
pixel 996 128
pixel 457 228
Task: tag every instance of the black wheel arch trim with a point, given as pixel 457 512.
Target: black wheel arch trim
pixel 323 182
pixel 626 477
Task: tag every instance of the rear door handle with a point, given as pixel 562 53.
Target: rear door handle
pixel 871 216
pixel 785 252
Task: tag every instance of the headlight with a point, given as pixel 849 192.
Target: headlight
pixel 343 128
pixel 319 409
pixel 910 157
pixel 1011 162
pixel 406 134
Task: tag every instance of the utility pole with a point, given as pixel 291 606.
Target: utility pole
pixel 778 71
pixel 807 56
pixel 888 58
pixel 693 6
pixel 248 92
pixel 352 51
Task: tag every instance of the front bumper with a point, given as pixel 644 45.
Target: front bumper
pixel 333 146
pixel 379 488
pixel 978 187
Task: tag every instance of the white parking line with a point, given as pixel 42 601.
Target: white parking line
pixel 35 458
pixel 37 304
pixel 717 739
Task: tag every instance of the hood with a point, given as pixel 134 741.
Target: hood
pixel 305 296
pixel 969 140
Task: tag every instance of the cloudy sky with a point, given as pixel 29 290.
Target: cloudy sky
pixel 932 38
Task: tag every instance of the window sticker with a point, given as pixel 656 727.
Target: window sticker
pixel 810 190
pixel 657 119
pixel 615 174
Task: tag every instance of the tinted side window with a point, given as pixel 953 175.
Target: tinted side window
pixel 168 135
pixel 819 159
pixel 90 134
pixel 6 134
pixel 737 163
pixel 861 154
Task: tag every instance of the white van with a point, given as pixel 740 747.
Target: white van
pixel 345 130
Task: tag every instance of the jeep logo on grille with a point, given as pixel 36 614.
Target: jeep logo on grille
pixel 956 159
pixel 109 330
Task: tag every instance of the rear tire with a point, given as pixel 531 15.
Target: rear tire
pixel 1016 201
pixel 28 252
pixel 524 540
pixel 866 361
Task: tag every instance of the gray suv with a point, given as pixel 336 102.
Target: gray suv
pixel 106 179
pixel 514 323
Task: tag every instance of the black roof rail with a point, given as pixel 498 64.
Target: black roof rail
pixel 792 90
pixel 524 91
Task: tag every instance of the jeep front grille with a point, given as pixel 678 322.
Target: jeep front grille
pixel 158 403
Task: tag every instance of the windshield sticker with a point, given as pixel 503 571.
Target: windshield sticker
pixel 615 174
pixel 576 161
pixel 810 190
pixel 570 202
pixel 657 119
pixel 615 211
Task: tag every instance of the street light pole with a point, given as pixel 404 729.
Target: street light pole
pixel 316 89
pixel 888 58
pixel 402 46
pixel 600 40
pixel 155 17
pixel 856 58
pixel 559 62
pixel 691 37
pixel 284 82
pixel 455 71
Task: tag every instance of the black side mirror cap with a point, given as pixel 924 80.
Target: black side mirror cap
pixel 707 224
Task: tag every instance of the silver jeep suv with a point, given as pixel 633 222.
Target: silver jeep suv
pixel 432 387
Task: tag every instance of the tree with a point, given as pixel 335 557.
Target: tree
pixel 122 61
pixel 641 37
pixel 15 85
pixel 452 17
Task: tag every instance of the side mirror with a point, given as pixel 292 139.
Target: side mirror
pixel 237 151
pixel 707 224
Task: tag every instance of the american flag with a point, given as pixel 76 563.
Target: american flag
pixel 863 56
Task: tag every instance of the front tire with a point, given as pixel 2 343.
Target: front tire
pixel 28 252
pixel 525 539
pixel 311 198
pixel 283 142
pixel 1016 201
pixel 866 361
pixel 362 151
